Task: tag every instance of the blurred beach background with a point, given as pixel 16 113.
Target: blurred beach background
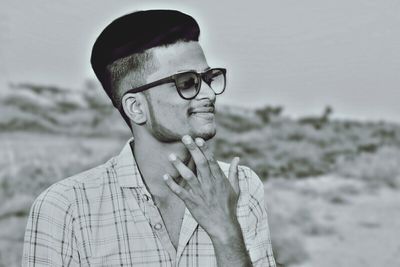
pixel 311 106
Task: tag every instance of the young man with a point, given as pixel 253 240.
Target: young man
pixel 164 200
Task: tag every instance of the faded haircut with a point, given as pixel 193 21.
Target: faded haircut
pixel 137 66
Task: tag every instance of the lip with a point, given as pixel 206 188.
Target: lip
pixel 203 115
pixel 203 110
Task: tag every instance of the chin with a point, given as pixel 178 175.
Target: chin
pixel 206 132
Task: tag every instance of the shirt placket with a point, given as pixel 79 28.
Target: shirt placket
pixel 154 218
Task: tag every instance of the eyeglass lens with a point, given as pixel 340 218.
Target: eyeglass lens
pixel 215 78
pixel 188 83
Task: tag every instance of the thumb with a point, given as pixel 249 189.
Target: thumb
pixel 233 175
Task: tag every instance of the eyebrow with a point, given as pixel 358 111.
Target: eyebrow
pixel 208 68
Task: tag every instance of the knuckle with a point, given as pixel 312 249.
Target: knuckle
pixel 190 203
pixel 204 146
pixel 211 158
pixel 177 190
pixel 190 178
pixel 208 186
pixel 200 142
pixel 187 175
pixel 205 190
pixel 202 162
pixel 191 146
pixel 187 197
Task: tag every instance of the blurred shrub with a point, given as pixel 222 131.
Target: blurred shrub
pixel 50 109
pixel 294 149
pixel 267 113
pixel 379 168
pixel 31 162
pixel 318 122
pixel 273 145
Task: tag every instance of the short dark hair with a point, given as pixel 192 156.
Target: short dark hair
pixel 125 40
pixel 138 66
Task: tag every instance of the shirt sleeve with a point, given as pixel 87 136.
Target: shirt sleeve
pixel 260 247
pixel 50 236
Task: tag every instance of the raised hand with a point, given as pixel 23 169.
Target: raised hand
pixel 210 197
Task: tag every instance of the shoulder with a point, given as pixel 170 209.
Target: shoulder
pixel 62 195
pixel 55 219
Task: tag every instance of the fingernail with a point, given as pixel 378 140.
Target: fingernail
pixel 186 139
pixel 172 157
pixel 165 177
pixel 199 141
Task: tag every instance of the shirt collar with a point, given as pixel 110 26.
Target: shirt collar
pixel 126 168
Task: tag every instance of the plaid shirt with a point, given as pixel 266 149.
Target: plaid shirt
pixel 106 217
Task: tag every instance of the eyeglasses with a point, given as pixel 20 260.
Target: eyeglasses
pixel 188 83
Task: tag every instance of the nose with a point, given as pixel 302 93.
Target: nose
pixel 206 92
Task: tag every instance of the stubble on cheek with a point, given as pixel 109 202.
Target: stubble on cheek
pixel 160 130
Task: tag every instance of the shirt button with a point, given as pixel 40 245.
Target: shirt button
pixel 146 198
pixel 157 226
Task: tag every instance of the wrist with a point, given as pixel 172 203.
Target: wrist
pixel 230 248
pixel 230 233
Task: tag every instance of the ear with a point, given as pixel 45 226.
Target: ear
pixel 134 108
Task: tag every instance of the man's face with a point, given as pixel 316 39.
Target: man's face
pixel 170 116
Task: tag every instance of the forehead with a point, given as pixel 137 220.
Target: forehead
pixel 178 57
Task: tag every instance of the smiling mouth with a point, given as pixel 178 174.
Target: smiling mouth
pixel 206 110
pixel 204 115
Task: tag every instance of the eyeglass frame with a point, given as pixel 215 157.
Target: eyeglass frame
pixel 173 77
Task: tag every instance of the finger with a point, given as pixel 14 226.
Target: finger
pixel 233 175
pixel 213 164
pixel 185 172
pixel 200 160
pixel 175 188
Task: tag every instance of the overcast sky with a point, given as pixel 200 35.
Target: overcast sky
pixel 302 55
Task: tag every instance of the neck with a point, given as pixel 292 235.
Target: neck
pixel 152 158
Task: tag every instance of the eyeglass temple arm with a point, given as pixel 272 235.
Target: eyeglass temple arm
pixel 149 85
pixel 146 86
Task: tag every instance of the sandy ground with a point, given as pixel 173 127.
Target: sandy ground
pixel 368 233
pixel 355 228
